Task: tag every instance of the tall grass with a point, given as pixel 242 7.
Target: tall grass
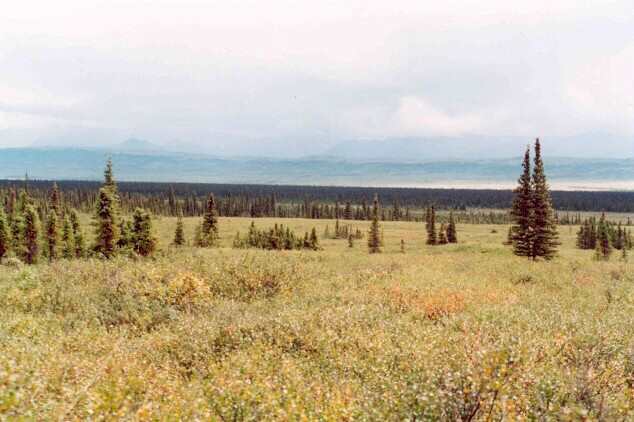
pixel 459 332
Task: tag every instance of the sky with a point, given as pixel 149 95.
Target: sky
pixel 298 77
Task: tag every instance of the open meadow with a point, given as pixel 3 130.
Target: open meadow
pixel 454 332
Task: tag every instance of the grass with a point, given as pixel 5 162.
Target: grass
pixel 458 332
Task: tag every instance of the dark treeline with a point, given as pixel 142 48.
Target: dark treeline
pixel 346 203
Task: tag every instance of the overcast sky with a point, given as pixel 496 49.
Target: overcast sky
pixel 240 76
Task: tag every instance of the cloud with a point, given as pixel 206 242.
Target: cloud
pixel 230 75
pixel 602 91
pixel 416 117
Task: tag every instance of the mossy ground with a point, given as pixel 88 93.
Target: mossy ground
pixel 454 332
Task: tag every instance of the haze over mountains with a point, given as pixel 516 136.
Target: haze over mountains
pixel 481 147
pixel 446 162
pixel 403 149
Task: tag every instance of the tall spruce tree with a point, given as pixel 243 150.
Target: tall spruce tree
pixel 106 228
pixel 209 228
pixel 30 235
pixel 52 236
pixel 544 235
pixel 522 211
pixel 374 235
pixel 5 241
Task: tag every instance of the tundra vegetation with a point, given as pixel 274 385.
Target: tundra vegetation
pixel 116 315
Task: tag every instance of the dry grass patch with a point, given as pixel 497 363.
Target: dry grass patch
pixel 433 305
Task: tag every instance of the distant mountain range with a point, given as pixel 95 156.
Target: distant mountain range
pixel 410 149
pixel 138 160
pixel 474 147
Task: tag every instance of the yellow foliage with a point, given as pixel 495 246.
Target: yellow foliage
pixel 433 306
pixel 186 288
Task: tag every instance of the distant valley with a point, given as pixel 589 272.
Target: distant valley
pixel 146 164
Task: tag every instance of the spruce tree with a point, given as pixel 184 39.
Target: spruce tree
pixel 68 244
pixel 172 201
pixel 16 228
pixel 509 237
pixel 54 200
pixel 17 223
pixel 589 235
pixel 544 234
pixel 603 248
pixel 442 235
pixel 347 211
pixel 52 236
pixel 522 211
pixel 396 211
pixel 24 200
pixel 209 229
pixel 198 239
pixel 143 240
pixel 179 232
pixel 431 227
pixel 427 218
pixel 10 203
pixel 619 240
pixel 306 241
pixel 237 241
pixel 30 234
pixel 4 235
pixel 581 240
pixel 108 177
pixel 374 235
pixel 252 235
pixel 452 235
pixel 111 185
pixel 78 235
pixel 314 240
pixel 125 234
pixel 106 228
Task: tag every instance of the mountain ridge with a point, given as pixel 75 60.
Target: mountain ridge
pixel 164 166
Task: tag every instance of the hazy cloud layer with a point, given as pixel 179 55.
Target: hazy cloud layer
pixel 247 77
